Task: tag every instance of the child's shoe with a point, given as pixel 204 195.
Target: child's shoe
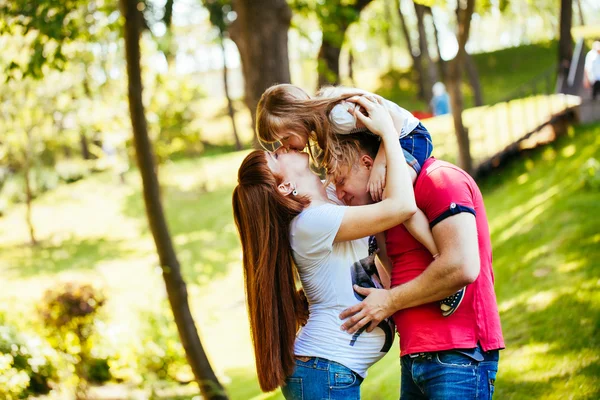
pixel 450 304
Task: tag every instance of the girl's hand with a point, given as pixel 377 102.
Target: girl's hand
pixel 378 120
pixel 377 181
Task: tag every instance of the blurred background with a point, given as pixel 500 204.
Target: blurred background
pixel 123 125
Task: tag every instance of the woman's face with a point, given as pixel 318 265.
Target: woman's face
pixel 288 163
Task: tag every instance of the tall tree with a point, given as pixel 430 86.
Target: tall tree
pixel 28 192
pixel 565 41
pixel 176 287
pixel 415 55
pixel 473 76
pixel 335 17
pixel 261 35
pixel 218 11
pixel 442 64
pixel 464 12
pixel 432 74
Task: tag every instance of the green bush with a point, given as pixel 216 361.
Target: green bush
pixel 162 356
pixel 589 174
pixel 69 313
pixel 98 370
pixel 27 364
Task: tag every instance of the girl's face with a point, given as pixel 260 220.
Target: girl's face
pixel 293 141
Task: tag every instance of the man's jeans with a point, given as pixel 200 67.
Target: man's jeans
pixel 464 375
pixel 318 378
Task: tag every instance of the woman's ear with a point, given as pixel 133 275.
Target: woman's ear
pixel 285 188
pixel 366 161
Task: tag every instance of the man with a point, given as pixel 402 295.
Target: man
pixel 441 358
pixel 592 69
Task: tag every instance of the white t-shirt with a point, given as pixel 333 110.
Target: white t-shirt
pixel 327 271
pixel 410 121
pixel 592 65
pixel 344 122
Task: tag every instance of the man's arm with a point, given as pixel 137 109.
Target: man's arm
pixel 457 266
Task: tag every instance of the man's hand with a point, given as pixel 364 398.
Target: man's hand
pixel 375 308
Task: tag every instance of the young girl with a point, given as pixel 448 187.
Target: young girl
pixel 287 114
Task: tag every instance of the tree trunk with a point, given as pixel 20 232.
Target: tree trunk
pixel 261 35
pixel 473 76
pixel 417 64
pixel 28 194
pixel 443 67
pixel 238 144
pixel 85 148
pixel 331 46
pixel 329 62
pixel 431 76
pixel 455 72
pixel 175 285
pixel 389 40
pixel 351 66
pixel 565 42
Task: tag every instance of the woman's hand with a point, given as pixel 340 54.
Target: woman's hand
pixel 378 120
pixel 377 180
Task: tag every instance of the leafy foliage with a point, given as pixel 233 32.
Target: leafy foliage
pixel 50 26
pixel 69 313
pixel 26 364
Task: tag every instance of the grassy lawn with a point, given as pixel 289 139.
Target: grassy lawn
pixel 545 231
pixel 500 72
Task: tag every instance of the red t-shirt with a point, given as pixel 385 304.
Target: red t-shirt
pixel 443 190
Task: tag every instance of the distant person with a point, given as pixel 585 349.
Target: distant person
pixel 592 69
pixel 440 102
pixel 116 157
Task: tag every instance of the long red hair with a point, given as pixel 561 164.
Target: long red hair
pixel 276 309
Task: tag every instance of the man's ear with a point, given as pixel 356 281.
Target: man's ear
pixel 285 188
pixel 366 161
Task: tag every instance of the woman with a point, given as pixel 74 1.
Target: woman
pixel 285 218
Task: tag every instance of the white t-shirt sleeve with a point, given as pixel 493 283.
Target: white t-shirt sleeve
pixel 410 121
pixel 314 230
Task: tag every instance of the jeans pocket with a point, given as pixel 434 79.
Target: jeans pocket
pixel 491 382
pixel 342 380
pixel 453 359
pixel 293 390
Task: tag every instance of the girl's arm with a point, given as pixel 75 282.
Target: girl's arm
pixel 418 227
pixel 399 203
pixel 377 179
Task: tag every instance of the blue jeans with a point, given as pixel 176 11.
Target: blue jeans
pixel 453 374
pixel 417 147
pixel 319 379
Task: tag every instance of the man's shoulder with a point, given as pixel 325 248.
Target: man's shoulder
pixel 437 171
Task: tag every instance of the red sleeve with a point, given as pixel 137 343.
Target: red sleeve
pixel 443 191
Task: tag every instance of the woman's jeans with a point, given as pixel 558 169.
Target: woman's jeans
pixel 321 379
pixel 463 374
pixel 417 147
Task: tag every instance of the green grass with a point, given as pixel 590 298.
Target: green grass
pixel 500 73
pixel 545 232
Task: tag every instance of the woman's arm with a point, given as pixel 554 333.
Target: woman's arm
pixel 399 202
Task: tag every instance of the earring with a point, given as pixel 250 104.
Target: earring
pixel 295 192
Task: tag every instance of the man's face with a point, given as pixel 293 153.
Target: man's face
pixel 351 183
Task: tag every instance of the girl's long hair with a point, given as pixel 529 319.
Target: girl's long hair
pixel 286 107
pixel 276 309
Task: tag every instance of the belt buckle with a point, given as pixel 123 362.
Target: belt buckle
pixel 417 355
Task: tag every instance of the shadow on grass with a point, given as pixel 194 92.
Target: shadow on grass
pixel 545 236
pixel 72 254
pixel 201 226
